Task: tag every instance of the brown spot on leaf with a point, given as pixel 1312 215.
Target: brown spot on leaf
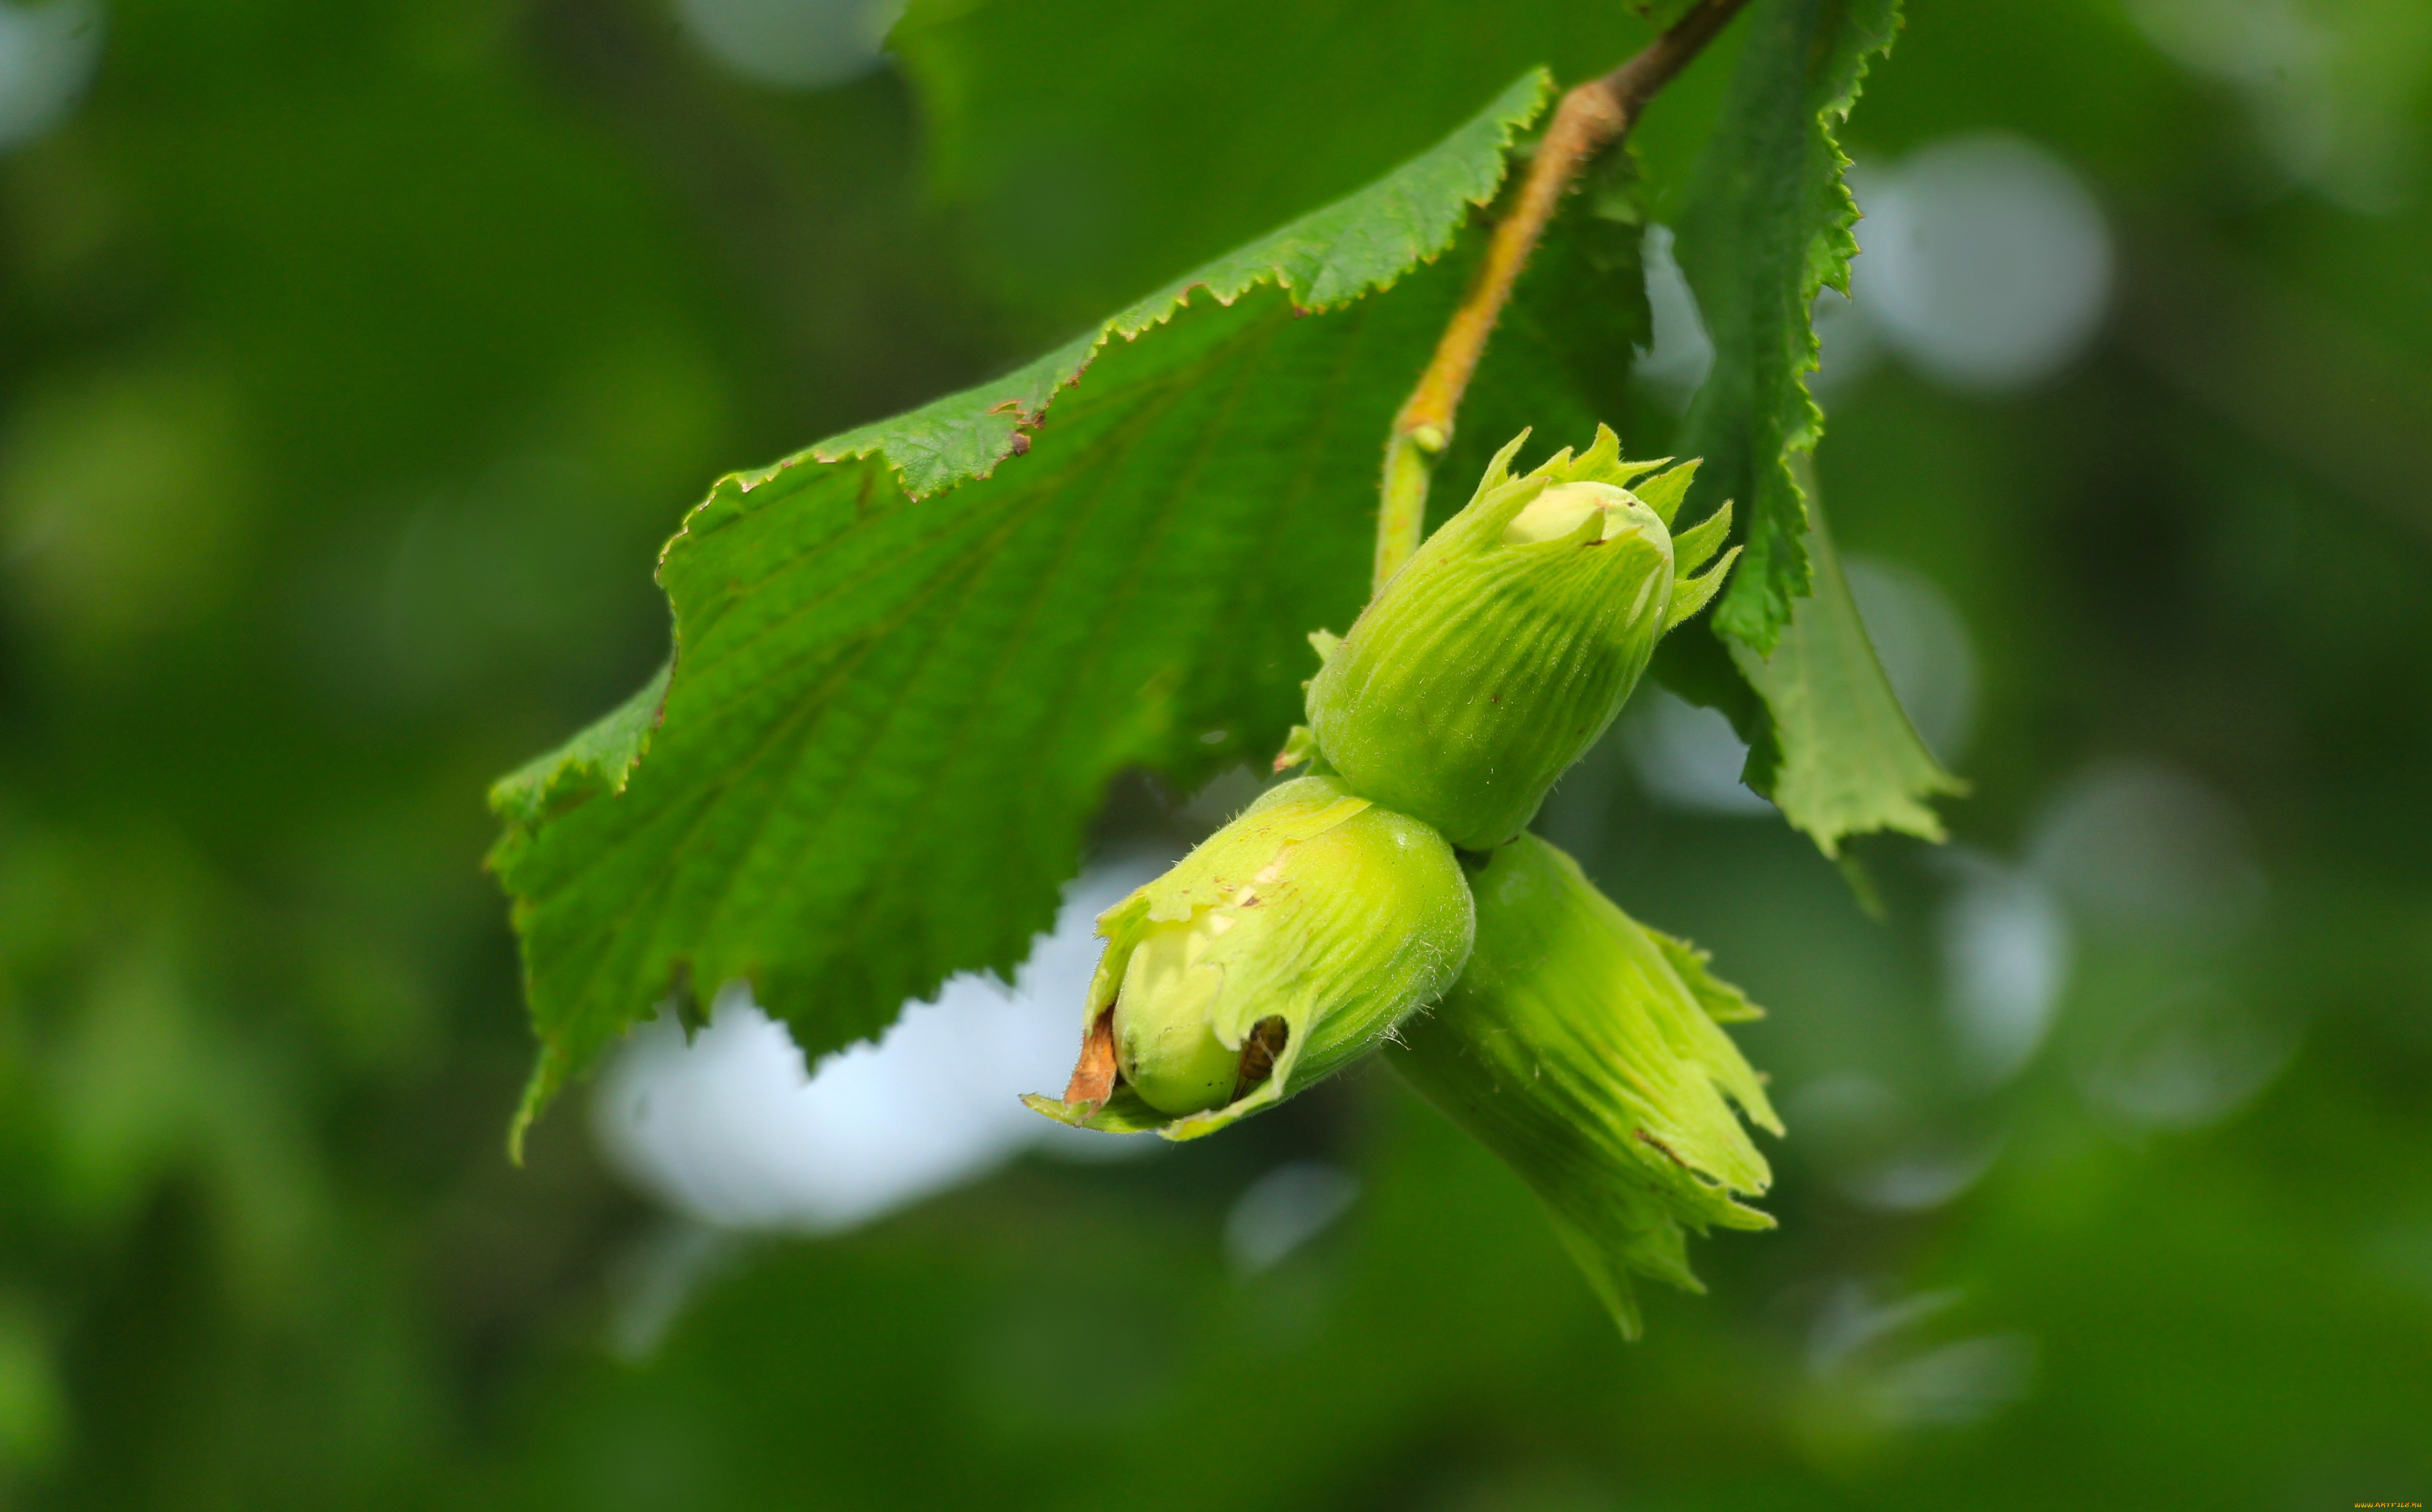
pixel 1645 1138
pixel 1020 444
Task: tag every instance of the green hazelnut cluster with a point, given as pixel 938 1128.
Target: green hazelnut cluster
pixel 1391 899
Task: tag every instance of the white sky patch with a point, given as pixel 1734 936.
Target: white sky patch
pixel 728 1130
pixel 1924 645
pixel 791 43
pixel 2006 951
pixel 1284 1209
pixel 2329 87
pixel 2185 1057
pixel 2137 845
pixel 1987 263
pixel 1686 757
pixel 1679 353
pixel 1869 1358
pixel 47 55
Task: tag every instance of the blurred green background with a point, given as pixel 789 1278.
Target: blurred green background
pixel 354 359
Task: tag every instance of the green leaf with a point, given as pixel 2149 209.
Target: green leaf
pixel 1767 227
pixel 1846 758
pixel 1091 148
pixel 910 658
pixel 1325 259
pixel 1723 1002
pixel 596 760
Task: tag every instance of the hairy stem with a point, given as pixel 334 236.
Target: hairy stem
pixel 1591 118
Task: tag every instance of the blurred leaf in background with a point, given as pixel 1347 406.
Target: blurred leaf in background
pixel 354 362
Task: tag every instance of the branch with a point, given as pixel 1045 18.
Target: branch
pixel 1591 118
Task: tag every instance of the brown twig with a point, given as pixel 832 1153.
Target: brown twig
pixel 1591 118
